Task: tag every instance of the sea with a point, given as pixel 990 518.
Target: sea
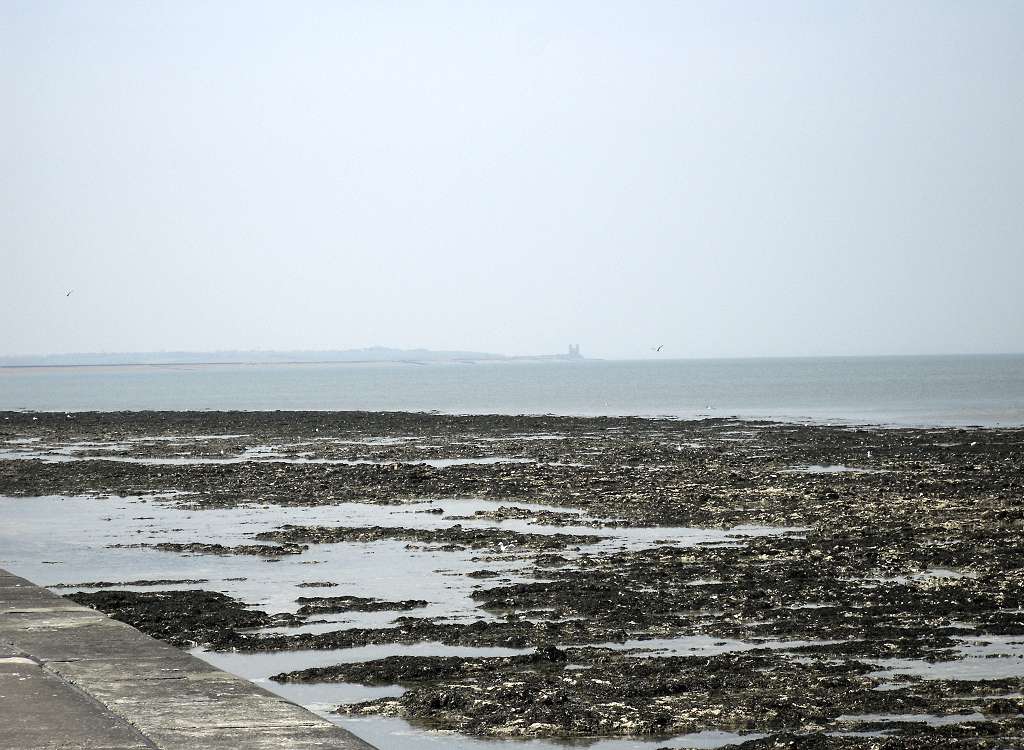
pixel 984 390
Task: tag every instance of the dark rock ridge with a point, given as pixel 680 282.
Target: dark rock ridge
pixel 200 548
pixel 330 604
pixel 115 584
pixel 183 618
pixel 452 537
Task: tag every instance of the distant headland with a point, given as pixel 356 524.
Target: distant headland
pixel 374 354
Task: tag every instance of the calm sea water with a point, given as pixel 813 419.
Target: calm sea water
pixel 940 390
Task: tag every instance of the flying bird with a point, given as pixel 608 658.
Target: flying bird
pixel 69 292
pixel 657 348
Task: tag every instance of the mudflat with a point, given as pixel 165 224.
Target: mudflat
pixel 799 585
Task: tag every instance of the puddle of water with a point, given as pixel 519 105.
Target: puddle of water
pixel 529 438
pixel 989 646
pixel 366 441
pixel 263 454
pixel 989 696
pixel 829 469
pixel 176 438
pixel 815 605
pixel 486 461
pixel 991 657
pixel 324 698
pixel 339 622
pixel 943 573
pixel 262 664
pixel 703 645
pixel 929 719
pixel 924 575
pixel 76 533
pixel 396 734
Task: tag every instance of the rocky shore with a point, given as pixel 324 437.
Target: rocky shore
pixel 865 588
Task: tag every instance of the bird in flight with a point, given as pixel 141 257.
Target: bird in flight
pixel 69 292
pixel 657 348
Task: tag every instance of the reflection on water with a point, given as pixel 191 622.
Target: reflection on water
pixel 260 454
pixel 399 734
pixel 992 657
pixel 58 540
pixel 929 719
pixel 73 536
pixel 263 664
pixel 703 645
pixel 829 469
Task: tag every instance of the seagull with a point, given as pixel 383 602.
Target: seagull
pixel 657 348
pixel 69 292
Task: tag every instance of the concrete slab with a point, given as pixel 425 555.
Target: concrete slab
pixel 224 701
pixel 43 618
pixel 9 579
pixel 275 738
pixel 217 712
pixel 40 711
pixel 77 679
pixel 121 669
pixel 17 598
pixel 93 640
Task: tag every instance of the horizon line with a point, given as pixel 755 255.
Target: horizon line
pixel 487 357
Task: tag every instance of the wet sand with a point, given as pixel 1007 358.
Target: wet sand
pixel 696 583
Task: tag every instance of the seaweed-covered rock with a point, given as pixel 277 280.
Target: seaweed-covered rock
pixel 182 618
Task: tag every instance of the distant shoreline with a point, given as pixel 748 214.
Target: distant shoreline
pixel 371 355
pixel 438 358
pixel 414 362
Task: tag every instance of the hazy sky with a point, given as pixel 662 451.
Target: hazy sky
pixel 723 178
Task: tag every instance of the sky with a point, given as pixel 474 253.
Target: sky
pixel 720 178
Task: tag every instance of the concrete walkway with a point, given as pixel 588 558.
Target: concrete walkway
pixel 74 679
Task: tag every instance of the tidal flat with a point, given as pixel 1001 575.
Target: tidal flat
pixel 610 582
